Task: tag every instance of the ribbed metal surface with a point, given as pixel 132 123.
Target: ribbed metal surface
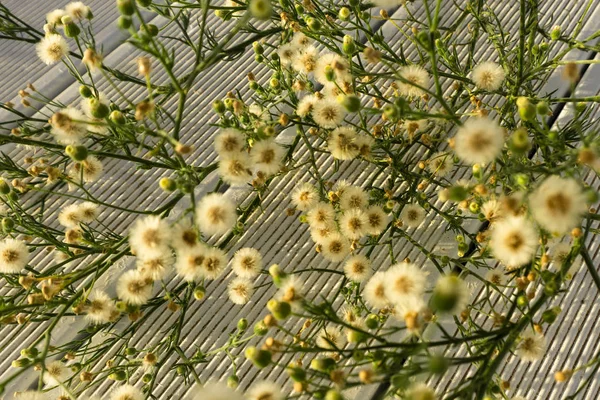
pixel 280 239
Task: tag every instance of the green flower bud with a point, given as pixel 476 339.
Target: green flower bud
pixel 180 370
pixel 542 108
pixel 167 184
pixel 71 30
pixel 474 207
pixel 218 106
pixel 274 83
pixel 296 373
pixel 549 316
pixel 522 180
pixel 580 106
pixel 233 381
pixel 372 321
pixel 144 3
pixel 228 103
pixel 277 274
pixel 551 288
pixel 519 141
pixel 423 38
pixel 351 103
pixel 242 324
pixel 4 188
pixel 117 117
pixel 314 24
pixel 124 22
pixel 147 378
pixel 391 112
pixel 199 293
pixel 329 73
pixel 150 29
pixel 77 153
pixel 448 293
pixel 280 309
pixel 555 33
pixel 348 45
pixel 437 364
pixel 522 301
pixel 7 224
pixel 98 109
pixel 333 394
pixel 322 364
pixel 260 329
pixel 462 249
pixel 130 351
pixel 354 336
pixel 260 9
pixel 21 363
pixel 253 85
pixel 344 13
pixel 591 196
pixel 31 352
pixel 258 48
pixel 457 193
pixel 527 111
pixel 85 91
pixel 477 172
pixel 223 14
pixel 126 7
pixel 260 358
pixel 118 376
pixel 543 47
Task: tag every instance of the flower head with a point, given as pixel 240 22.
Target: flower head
pixel 56 373
pixel 150 236
pixel 353 223
pixel 240 290
pixel 335 247
pixel 357 268
pixel 414 80
pixel 412 215
pixel 531 347
pixel 52 48
pixel 305 196
pixel 404 280
pixel 479 140
pixel 342 143
pixel 14 256
pixel 328 113
pixel 514 241
pixel 134 288
pixel 229 140
pixel 127 392
pixel 267 156
pixel 247 262
pixel 488 76
pixel 375 291
pixel 216 214
pixel 100 308
pixel 558 204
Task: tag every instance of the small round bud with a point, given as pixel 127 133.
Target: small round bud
pixel 71 29
pixel 297 374
pixel 144 3
pixel 218 106
pixel 333 394
pixel 314 24
pixel 117 117
pixel 126 7
pixel 372 321
pixel 233 381
pixel 542 108
pixel 4 188
pixel 351 103
pixel 85 91
pixel 260 9
pixel 527 111
pixel 242 324
pixel 124 22
pixel 199 293
pixel 280 309
pixel 260 358
pixel 260 329
pixel 344 13
pixel 348 45
pixel 77 153
pixel 119 375
pixel 438 364
pixel 7 224
pixel 322 364
pixel 98 109
pixel 144 66
pixel 167 184
pixel 555 32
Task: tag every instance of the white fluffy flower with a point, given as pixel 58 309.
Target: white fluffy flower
pixel 353 197
pixel 412 215
pixel 77 10
pixel 328 113
pixel 52 48
pixel 56 373
pixel 101 308
pixel 339 65
pixel 440 164
pixel 286 53
pixel 14 256
pixel 216 391
pixel 156 267
pixel 377 220
pixel 54 17
pixel 454 293
pixel 216 214
pixel 414 80
pixel 189 262
pixel 558 204
pixel 265 390
pixel 134 288
pixel 235 168
pixel 127 392
pixel 150 236
pixel 375 291
pixel 514 241
pixel 488 76
pixel 306 105
pixel 318 235
pixel 335 247
pixel 496 276
pixel 357 268
pixel 267 156
pixel 184 235
pixel 342 143
pixel 404 280
pixel 531 347
pixel 229 140
pixel 305 61
pixel 353 224
pixel 305 197
pixel 321 215
pixel 89 170
pixel 330 338
pixel 247 262
pixel 301 40
pixel 215 262
pixel 240 290
pixel 492 210
pixel 68 126
pixel 479 140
